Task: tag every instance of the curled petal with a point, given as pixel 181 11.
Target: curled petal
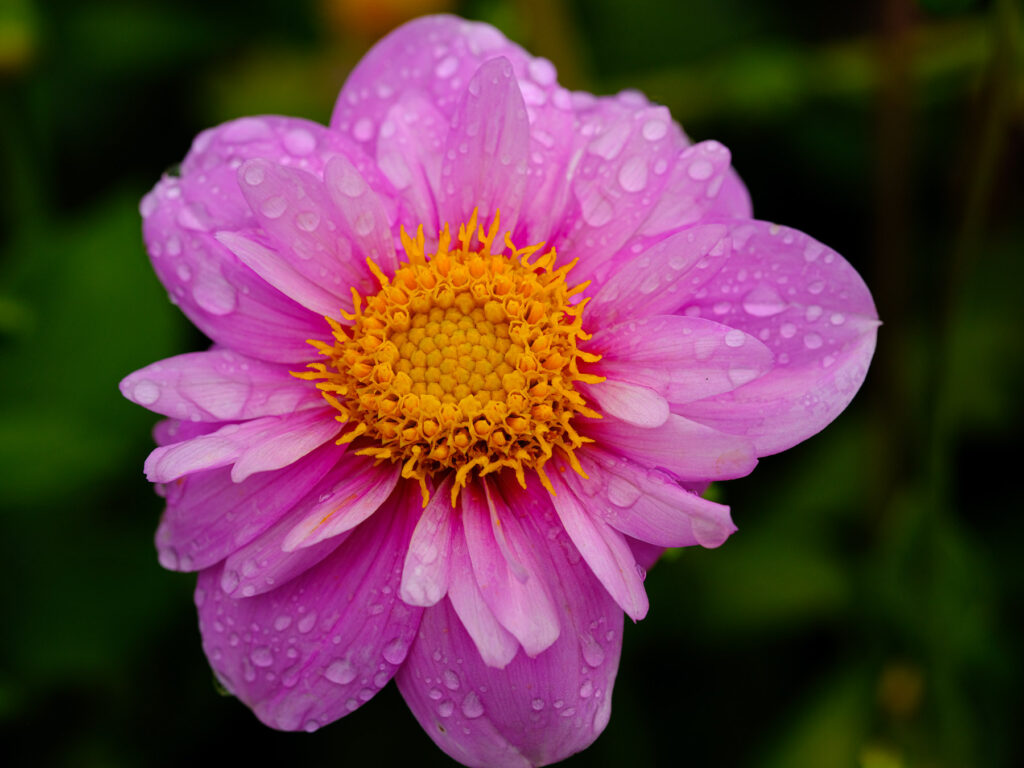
pixel 209 516
pixel 259 445
pixel 646 504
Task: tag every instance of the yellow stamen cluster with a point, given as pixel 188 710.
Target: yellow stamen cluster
pixel 464 360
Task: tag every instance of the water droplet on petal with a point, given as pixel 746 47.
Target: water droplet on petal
pixel 254 175
pixel 299 142
pixel 586 690
pixel 812 341
pixel 273 207
pixel 262 657
pixel 145 392
pixel 340 672
pixel 307 221
pixel 395 651
pixel 446 67
pixel 763 301
pixel 445 708
pixel 633 174
pixel 471 706
pixel 735 338
pixel 537 705
pixel 451 680
pixel 363 129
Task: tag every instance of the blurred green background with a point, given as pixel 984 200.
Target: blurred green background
pixel 869 610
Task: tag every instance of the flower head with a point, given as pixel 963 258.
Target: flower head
pixel 478 345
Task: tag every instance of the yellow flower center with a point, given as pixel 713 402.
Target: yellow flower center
pixel 464 360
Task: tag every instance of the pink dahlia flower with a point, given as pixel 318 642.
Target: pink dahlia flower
pixel 478 345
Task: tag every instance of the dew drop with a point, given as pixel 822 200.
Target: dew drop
pixel 586 690
pixel 395 651
pixel 306 622
pixel 735 338
pixel 813 313
pixel 471 706
pixel 446 67
pixel 273 207
pixel 633 174
pixel 262 657
pixel 363 129
pixel 363 225
pixel 451 680
pixel 812 341
pixel 787 331
pixel 299 142
pixel 537 705
pixel 763 301
pixel 837 318
pixel 654 129
pixel 542 71
pixel 254 175
pixel 215 295
pixel 307 221
pixel 145 392
pixel 700 169
pixel 282 622
pixel 340 672
pixel 445 708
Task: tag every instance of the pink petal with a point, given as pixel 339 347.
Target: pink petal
pixel 511 583
pixel 224 298
pixel 646 504
pixel 604 549
pixel 434 56
pixel 174 431
pixel 688 450
pixel 680 358
pixel 276 270
pixel 358 489
pixel 209 516
pixel 495 644
pixel 733 201
pixel 634 404
pixel 220 295
pixel 534 711
pixel 622 173
pixel 660 279
pixel 695 180
pixel 262 444
pixel 366 221
pixel 218 385
pixel 294 209
pixel 815 314
pixel 409 154
pixel 324 643
pixel 428 562
pixel 268 561
pixel 485 159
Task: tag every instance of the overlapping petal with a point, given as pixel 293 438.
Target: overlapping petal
pixel 816 315
pixel 534 711
pixel 324 643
